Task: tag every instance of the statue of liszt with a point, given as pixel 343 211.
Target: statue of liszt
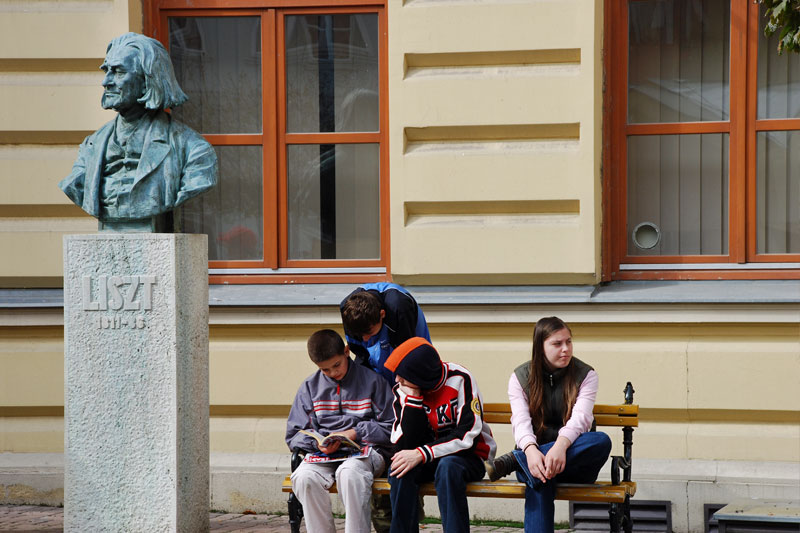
pixel 136 169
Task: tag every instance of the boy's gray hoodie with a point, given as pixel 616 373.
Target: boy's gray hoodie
pixel 361 400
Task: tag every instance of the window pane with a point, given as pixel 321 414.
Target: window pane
pixel 217 62
pixel 332 73
pixel 334 202
pixel 231 214
pixel 678 194
pixel 678 60
pixel 778 192
pixel 778 79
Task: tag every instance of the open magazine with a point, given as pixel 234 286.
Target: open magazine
pixel 325 441
pixel 347 449
pixel 339 455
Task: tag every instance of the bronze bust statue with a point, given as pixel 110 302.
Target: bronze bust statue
pixel 135 170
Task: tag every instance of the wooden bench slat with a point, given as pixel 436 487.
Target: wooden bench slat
pixel 497 408
pixel 598 492
pixel 616 420
pixel 621 409
pixel 599 408
pixel 497 418
pixel 622 415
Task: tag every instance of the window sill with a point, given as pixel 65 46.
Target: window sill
pixel 700 292
pixel 615 292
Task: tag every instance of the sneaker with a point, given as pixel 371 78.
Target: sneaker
pixel 501 467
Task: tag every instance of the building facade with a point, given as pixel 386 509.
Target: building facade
pixel 629 166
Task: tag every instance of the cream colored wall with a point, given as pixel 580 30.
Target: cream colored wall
pixel 495 117
pixel 49 101
pixel 495 136
pixel 722 392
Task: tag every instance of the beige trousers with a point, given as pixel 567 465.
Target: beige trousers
pixel 310 483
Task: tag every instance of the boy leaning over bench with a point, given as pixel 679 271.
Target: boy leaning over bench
pixel 346 398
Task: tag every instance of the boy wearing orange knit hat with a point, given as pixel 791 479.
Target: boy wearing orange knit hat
pixel 440 434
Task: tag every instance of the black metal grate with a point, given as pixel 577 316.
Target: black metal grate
pixel 710 523
pixel 646 515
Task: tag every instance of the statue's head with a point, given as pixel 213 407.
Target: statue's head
pixel 139 74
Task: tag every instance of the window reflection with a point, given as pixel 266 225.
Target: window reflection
pixel 217 62
pixel 334 201
pixel 332 73
pixel 778 79
pixel 778 192
pixel 231 214
pixel 678 60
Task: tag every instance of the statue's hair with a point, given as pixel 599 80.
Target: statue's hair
pixel 161 88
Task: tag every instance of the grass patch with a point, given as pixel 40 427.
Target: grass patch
pixel 494 523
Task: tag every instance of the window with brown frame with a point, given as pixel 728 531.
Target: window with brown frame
pixel 293 99
pixel 702 143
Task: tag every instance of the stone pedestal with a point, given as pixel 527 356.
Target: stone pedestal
pixel 136 383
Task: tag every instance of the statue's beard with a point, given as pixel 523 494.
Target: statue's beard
pixel 115 101
pixel 110 100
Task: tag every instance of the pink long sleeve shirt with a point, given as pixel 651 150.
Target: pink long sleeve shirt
pixel 579 421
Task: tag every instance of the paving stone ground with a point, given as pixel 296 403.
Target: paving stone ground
pixel 36 519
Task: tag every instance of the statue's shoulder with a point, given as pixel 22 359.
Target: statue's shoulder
pixel 179 131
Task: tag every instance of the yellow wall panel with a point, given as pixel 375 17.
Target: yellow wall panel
pixel 470 171
pixel 32 435
pixel 492 25
pixel 245 434
pixel 60 101
pixel 474 244
pixel 245 376
pixel 492 99
pixel 76 28
pixel 264 366
pixel 657 371
pixel 32 371
pixel 744 442
pixel 33 247
pixel 655 440
pixel 490 352
pixel 29 174
pixel 745 374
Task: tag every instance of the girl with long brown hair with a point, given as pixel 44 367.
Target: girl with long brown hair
pixel 552 397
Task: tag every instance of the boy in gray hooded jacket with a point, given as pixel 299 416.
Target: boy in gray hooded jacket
pixel 341 397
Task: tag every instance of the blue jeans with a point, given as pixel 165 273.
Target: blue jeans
pixel 450 475
pixel 585 458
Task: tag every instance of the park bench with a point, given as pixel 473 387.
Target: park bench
pixel 617 493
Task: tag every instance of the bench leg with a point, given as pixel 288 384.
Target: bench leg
pixel 295 513
pixel 614 517
pixel 627 524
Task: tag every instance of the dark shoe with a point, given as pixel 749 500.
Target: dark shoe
pixel 501 467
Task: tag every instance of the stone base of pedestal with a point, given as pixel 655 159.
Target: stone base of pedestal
pixel 136 383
